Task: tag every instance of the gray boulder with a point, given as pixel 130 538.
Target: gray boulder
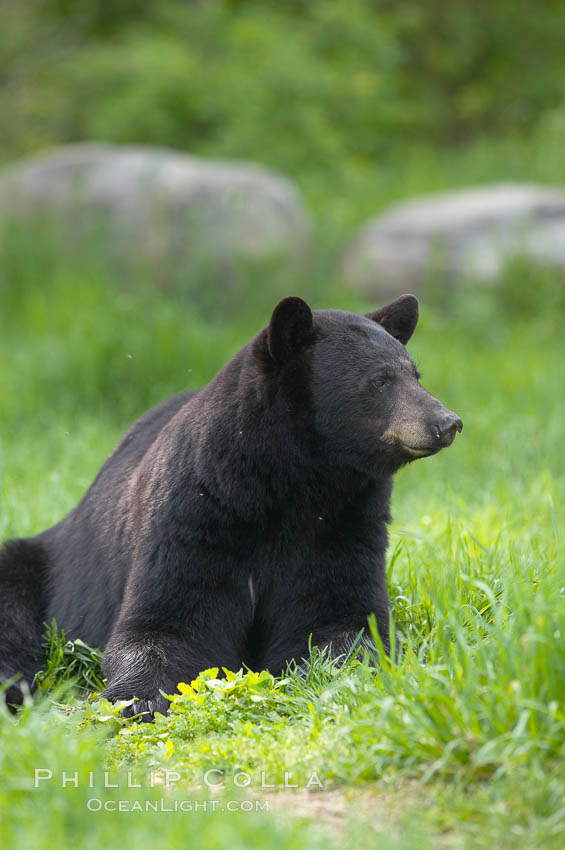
pixel 467 234
pixel 158 204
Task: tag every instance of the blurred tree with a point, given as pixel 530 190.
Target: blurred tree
pixel 301 85
pixel 97 17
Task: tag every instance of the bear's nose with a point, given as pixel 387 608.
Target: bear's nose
pixel 448 428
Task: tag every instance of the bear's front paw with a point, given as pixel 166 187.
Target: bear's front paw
pixel 146 707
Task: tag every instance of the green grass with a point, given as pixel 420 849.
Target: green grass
pixel 460 742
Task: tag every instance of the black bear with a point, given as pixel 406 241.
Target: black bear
pixel 234 522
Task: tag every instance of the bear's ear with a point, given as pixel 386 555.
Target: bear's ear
pixel 399 318
pixel 290 329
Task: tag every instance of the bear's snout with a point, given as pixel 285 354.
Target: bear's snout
pixel 447 428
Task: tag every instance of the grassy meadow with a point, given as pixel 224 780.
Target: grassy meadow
pixel 460 742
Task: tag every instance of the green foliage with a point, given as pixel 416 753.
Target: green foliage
pixel 249 690
pixel 69 663
pixel 44 812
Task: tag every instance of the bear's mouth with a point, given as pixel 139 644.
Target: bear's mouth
pixel 421 451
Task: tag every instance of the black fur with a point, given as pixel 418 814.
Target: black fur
pixel 233 522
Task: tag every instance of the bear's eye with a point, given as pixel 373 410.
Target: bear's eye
pixel 379 383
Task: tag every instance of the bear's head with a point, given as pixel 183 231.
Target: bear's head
pixel 368 405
